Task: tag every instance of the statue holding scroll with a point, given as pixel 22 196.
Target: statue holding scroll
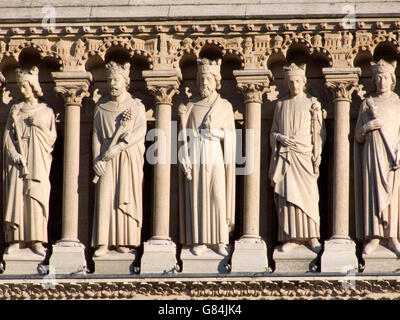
pixel 377 163
pixel 207 160
pixel 119 129
pixel 29 138
pixel 297 137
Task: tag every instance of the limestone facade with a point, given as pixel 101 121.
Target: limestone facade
pixel 163 49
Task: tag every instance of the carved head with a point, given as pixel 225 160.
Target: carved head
pixel 118 77
pixel 295 78
pixel 383 75
pixel 28 81
pixel 208 76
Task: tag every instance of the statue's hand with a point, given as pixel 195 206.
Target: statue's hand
pixel 187 167
pixel 100 168
pixel 217 133
pixel 286 141
pixel 19 159
pixel 372 125
pixel 112 152
pixel 34 121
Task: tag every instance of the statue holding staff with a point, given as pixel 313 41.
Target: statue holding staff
pixel 119 130
pixel 29 138
pixel 377 160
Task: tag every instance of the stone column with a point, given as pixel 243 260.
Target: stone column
pixel 250 254
pixel 69 253
pixel 339 253
pixel 159 253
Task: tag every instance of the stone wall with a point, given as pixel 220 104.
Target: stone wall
pixel 247 35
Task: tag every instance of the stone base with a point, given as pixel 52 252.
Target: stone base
pixel 339 256
pixel 250 255
pixel 68 258
pixel 381 260
pixel 208 262
pixel 300 259
pixel 23 262
pixel 159 256
pixel 114 262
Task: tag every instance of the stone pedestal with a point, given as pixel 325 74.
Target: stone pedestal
pixel 208 262
pixel 339 256
pixel 23 262
pixel 159 256
pixel 114 262
pixel 250 255
pixel 300 259
pixel 68 258
pixel 381 260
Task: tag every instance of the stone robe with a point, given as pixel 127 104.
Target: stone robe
pixel 118 204
pixel 291 168
pixel 207 202
pixel 376 184
pixel 27 200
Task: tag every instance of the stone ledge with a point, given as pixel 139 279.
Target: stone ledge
pixel 183 9
pixel 307 288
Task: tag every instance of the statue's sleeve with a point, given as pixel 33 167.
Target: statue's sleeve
pixel 273 140
pixel 9 141
pixel 137 130
pixel 96 142
pixel 359 131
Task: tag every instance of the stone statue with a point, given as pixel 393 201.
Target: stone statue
pixel 377 160
pixel 29 138
pixel 207 158
pixel 297 136
pixel 119 130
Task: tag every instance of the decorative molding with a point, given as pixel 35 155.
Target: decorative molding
pixel 253 84
pixel 342 82
pixel 163 84
pixel 307 289
pixel 72 86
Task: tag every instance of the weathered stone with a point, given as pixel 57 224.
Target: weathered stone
pixel 208 262
pixel 381 260
pixel 115 263
pixel 298 260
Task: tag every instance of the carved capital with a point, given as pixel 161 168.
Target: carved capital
pixel 253 84
pixel 162 84
pixel 72 86
pixel 253 92
pixel 342 82
pixel 72 95
pixel 163 94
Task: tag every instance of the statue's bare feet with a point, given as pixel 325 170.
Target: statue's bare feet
pixel 394 245
pixel 199 249
pixel 222 249
pixel 289 245
pixel 371 246
pixel 315 245
pixel 14 247
pixel 101 251
pixel 38 248
pixel 123 249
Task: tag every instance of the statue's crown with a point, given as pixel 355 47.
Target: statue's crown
pixel 295 70
pixel 31 75
pixel 209 66
pixel 383 66
pixel 114 68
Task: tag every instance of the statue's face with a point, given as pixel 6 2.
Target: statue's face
pixel 26 89
pixel 207 83
pixel 117 85
pixel 383 82
pixel 296 85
